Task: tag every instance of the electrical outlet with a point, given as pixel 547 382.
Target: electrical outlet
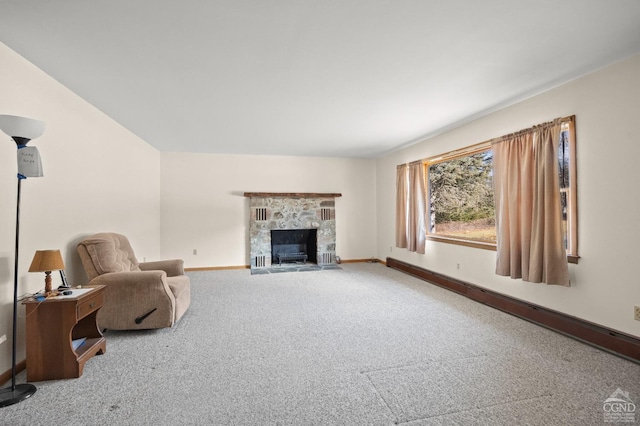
pixel 195 252
pixel 390 249
pixel 636 313
pixel 457 266
pixel 3 338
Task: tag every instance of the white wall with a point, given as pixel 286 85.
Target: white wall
pixel 203 206
pixel 605 284
pixel 97 177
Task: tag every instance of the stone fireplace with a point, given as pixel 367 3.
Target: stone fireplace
pixel 311 215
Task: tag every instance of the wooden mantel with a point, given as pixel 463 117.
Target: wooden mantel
pixel 293 194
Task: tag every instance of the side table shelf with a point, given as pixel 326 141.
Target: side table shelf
pixel 53 324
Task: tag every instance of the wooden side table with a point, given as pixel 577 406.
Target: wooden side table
pixel 53 325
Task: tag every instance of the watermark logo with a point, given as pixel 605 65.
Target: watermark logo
pixel 619 408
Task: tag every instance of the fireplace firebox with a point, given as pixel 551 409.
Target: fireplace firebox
pixel 294 245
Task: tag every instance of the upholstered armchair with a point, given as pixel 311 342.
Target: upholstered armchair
pixel 137 295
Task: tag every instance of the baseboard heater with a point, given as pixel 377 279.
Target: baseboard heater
pixel 613 341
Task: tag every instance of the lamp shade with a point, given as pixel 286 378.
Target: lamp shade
pixel 46 260
pixel 21 127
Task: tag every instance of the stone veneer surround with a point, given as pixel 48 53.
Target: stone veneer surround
pixel 291 211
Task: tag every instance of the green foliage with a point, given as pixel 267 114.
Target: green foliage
pixel 461 190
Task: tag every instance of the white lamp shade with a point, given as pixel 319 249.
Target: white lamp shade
pixel 21 127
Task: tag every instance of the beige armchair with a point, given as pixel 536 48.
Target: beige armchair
pixel 137 295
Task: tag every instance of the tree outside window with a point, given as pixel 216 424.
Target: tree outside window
pixel 461 197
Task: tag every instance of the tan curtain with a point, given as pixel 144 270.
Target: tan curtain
pixel 528 210
pixel 417 208
pixel 402 189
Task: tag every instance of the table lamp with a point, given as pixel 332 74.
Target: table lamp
pixel 47 261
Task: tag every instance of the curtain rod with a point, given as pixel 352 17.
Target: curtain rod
pixel 487 143
pixel 470 148
pixel 558 120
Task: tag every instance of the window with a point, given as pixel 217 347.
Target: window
pixel 460 187
pixel 568 193
pixel 460 192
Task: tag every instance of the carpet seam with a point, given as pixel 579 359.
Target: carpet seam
pixel 375 388
pixel 475 408
pixel 414 364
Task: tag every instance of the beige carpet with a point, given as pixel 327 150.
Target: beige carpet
pixel 364 345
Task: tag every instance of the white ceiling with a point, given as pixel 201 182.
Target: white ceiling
pixel 338 78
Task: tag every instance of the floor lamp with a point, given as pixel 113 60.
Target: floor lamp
pixel 21 130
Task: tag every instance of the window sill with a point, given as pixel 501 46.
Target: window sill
pixel 484 246
pixel 459 242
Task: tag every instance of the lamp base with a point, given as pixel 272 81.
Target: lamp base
pixel 21 392
pixel 47 282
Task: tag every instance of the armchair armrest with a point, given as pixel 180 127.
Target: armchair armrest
pixel 133 281
pixel 172 267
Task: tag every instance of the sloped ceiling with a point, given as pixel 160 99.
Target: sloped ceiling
pixel 338 78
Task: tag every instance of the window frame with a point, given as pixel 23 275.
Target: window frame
pixel 572 200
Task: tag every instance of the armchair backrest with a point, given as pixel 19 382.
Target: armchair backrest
pixel 107 252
